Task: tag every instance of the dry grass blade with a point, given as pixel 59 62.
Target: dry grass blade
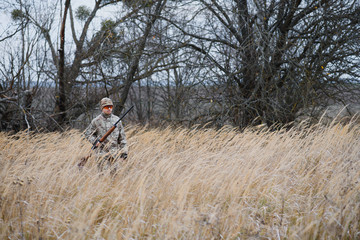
pixel 185 184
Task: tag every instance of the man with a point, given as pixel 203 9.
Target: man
pixel 115 144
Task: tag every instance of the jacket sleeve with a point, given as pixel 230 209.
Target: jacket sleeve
pixel 122 139
pixel 90 132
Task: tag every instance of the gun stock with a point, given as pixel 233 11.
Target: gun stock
pixel 107 134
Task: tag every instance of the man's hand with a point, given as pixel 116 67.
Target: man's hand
pixel 123 156
pixel 98 144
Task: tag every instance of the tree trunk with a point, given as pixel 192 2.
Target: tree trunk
pixel 135 63
pixel 60 107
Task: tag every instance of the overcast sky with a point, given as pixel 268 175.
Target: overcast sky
pixel 6 21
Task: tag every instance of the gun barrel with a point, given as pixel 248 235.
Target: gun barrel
pixel 123 115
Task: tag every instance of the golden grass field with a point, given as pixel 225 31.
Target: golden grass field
pixel 185 184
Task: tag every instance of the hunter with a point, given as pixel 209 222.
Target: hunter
pixel 115 144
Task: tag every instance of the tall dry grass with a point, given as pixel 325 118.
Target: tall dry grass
pixel 185 184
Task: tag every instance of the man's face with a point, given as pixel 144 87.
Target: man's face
pixel 107 109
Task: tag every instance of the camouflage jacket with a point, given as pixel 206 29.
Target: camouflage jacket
pixel 115 142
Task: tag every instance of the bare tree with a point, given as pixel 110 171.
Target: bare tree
pixel 61 97
pixel 18 84
pixel 134 63
pixel 274 57
pixel 84 55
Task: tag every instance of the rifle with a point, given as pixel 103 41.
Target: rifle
pixel 103 138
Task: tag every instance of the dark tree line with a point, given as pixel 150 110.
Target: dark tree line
pixel 219 62
pixel 276 57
